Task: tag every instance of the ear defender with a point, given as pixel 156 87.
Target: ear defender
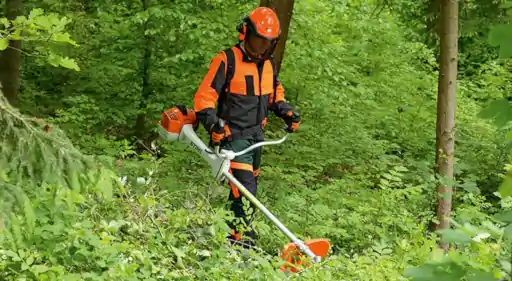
pixel 242 28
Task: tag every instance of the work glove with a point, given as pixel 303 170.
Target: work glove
pixel 292 119
pixel 217 133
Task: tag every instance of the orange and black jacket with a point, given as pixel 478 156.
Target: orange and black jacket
pixel 254 89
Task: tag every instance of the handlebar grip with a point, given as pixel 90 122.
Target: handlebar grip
pixel 221 123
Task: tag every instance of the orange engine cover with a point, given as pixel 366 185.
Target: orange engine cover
pixel 175 118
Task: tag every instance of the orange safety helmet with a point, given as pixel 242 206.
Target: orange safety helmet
pixel 261 31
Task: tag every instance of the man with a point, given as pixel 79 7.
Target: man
pixel 243 81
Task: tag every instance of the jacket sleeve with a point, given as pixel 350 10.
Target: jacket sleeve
pixel 205 99
pixel 277 102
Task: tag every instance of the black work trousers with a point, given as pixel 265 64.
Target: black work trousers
pixel 245 168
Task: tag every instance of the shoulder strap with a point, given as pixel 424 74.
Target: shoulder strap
pixel 274 69
pixel 230 70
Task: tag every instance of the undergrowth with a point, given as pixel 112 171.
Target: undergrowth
pixel 359 171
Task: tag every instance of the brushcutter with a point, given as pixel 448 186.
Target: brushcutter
pixel 179 124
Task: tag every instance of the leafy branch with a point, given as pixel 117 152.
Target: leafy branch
pixel 49 29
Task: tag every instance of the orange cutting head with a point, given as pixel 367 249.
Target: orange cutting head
pixel 295 259
pixel 175 118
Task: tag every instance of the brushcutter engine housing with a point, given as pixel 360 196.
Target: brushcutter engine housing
pixel 174 119
pixel 179 124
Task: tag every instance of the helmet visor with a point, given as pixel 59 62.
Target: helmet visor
pixel 257 47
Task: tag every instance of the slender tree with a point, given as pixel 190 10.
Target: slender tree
pixel 445 129
pixel 10 57
pixel 284 10
pixel 145 75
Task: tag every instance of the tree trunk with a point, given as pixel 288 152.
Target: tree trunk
pixel 140 124
pixel 284 10
pixel 445 131
pixel 10 57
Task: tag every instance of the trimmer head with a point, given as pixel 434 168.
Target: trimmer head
pixel 296 259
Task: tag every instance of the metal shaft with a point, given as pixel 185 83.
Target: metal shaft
pixel 269 215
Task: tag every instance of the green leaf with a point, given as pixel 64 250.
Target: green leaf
pixel 401 169
pixel 4 22
pixel 454 236
pixel 262 261
pixel 179 253
pixel 205 253
pixel 498 110
pixel 430 272
pixel 65 38
pixel 501 35
pixel 423 273
pixel 4 43
pixel 30 260
pixel 506 266
pixel 506 5
pixel 38 269
pixel 496 34
pixel 469 186
pixel 44 22
pixel 493 229
pixel 506 48
pixel 105 184
pixel 505 188
pixel 479 275
pixel 504 216
pixel 69 63
pixel 53 59
pixel 35 13
pixel 30 216
pixel 508 232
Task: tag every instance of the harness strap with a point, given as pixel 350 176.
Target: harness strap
pixel 230 70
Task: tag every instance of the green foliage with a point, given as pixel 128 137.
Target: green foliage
pixel 480 254
pixel 500 35
pixel 421 18
pixel 113 38
pixel 48 31
pixel 32 154
pixel 359 171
